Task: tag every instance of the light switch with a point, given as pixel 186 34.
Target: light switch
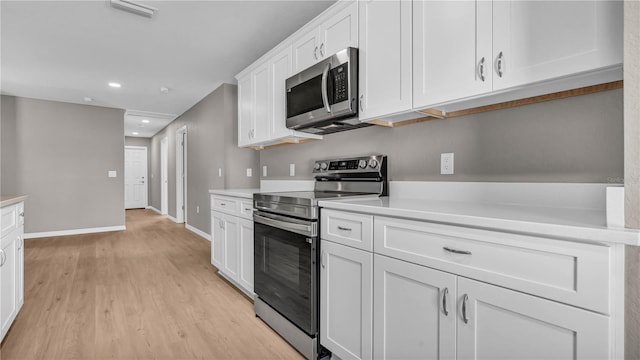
pixel 219 172
pixel 264 170
pixel 112 173
pixel 292 169
pixel 249 172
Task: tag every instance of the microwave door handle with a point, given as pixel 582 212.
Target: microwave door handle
pixel 325 96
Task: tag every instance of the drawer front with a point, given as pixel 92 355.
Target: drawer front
pixel 20 210
pixel 224 204
pixel 573 273
pixel 9 219
pixel 347 228
pixel 245 209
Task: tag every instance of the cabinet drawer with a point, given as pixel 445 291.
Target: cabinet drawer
pixel 224 204
pixel 346 228
pixel 573 273
pixel 245 209
pixel 9 218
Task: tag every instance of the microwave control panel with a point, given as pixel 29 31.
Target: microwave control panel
pixel 340 83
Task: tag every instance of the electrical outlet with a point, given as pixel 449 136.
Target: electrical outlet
pixel 292 169
pixel 197 209
pixel 446 163
pixel 249 172
pixel 219 172
pixel 264 170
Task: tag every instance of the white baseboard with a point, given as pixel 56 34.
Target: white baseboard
pixel 154 209
pixel 198 232
pixel 74 232
pixel 172 218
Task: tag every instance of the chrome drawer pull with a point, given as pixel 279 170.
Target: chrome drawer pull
pixel 444 301
pixel 455 251
pixel 343 228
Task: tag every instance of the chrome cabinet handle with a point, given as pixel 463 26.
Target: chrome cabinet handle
pixel 3 257
pixel 20 242
pixel 248 209
pixel 315 53
pixel 322 259
pixel 465 298
pixel 321 50
pixel 499 64
pixel 481 69
pixel 344 228
pixel 21 214
pixel 361 98
pixel 223 204
pixel 445 293
pixel 455 251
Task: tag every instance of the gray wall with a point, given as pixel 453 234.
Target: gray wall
pixel 578 139
pixel 8 157
pixel 146 142
pixel 62 155
pixel 211 144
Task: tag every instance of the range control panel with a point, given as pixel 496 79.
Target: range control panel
pixel 350 165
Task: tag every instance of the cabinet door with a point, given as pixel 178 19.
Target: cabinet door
pixel 451 50
pixel 305 50
pixel 414 312
pixel 541 40
pixel 20 269
pixel 231 264
pixel 346 298
pixel 261 103
pixel 505 324
pixel 217 240
pixel 384 57
pixel 8 286
pixel 339 31
pixel 245 110
pixel 280 69
pixel 245 238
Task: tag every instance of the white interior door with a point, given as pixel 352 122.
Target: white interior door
pixel 164 176
pixel 135 177
pixel 181 174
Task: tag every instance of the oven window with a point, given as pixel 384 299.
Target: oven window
pixel 284 276
pixel 305 97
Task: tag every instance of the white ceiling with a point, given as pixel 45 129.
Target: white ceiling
pixel 69 50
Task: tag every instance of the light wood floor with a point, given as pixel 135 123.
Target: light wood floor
pixel 149 292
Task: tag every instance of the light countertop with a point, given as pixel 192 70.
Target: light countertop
pixel 242 193
pixel 6 200
pixel 579 224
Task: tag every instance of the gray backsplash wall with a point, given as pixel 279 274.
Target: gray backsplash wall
pixel 62 155
pixel 8 157
pixel 578 139
pixel 210 146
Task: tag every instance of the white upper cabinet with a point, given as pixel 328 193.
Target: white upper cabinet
pixel 451 50
pixel 262 102
pixel 245 110
pixel 280 68
pixel 333 31
pixel 466 49
pixel 540 40
pixel 384 57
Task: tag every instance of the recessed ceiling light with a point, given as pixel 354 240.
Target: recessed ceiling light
pixel 114 85
pixel 164 90
pixel 135 133
pixel 88 99
pixel 145 121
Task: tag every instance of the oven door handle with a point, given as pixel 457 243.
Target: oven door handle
pixel 280 222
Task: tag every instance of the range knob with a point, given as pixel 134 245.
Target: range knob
pixel 373 163
pixel 316 166
pixel 323 166
pixel 362 164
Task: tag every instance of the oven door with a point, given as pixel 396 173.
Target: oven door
pixel 285 273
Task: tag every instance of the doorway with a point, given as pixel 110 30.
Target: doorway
pixel 164 176
pixel 135 177
pixel 181 174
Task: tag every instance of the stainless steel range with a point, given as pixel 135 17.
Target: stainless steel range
pixel 286 246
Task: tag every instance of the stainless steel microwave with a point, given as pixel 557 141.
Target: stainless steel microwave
pixel 323 98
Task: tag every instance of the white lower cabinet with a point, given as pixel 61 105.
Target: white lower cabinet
pixel 424 292
pixel 346 301
pixel 11 265
pixel 414 311
pixel 232 242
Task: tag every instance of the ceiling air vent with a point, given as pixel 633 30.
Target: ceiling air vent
pixel 134 8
